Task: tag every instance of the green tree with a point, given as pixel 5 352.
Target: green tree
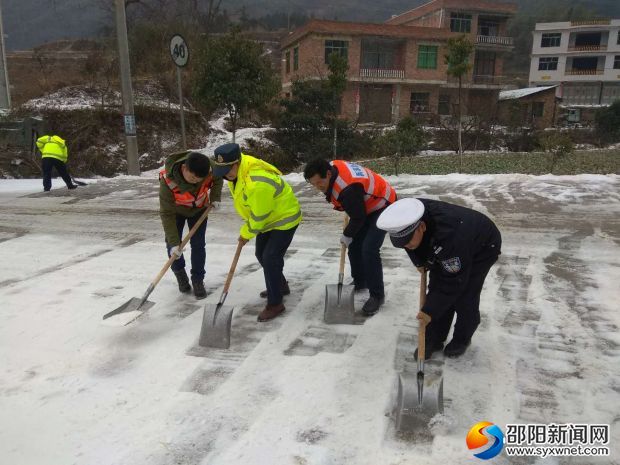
pixel 457 59
pixel 405 141
pixel 337 83
pixel 302 127
pixel 232 73
pixel 607 123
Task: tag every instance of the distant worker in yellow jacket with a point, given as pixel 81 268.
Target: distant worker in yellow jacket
pixel 55 154
pixel 271 212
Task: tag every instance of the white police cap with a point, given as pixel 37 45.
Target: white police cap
pixel 401 219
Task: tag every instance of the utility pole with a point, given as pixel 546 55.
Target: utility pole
pixel 133 167
pixel 5 90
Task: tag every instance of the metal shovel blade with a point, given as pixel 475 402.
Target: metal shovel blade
pixel 215 330
pixel 134 304
pixel 411 414
pixel 339 306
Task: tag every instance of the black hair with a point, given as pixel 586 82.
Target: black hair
pixel 318 166
pixel 198 164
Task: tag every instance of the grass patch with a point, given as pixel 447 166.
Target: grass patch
pixel 579 162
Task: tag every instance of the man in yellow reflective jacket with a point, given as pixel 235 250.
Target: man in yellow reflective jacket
pixel 54 152
pixel 271 212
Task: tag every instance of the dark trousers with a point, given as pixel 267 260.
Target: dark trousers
pixel 466 307
pixel 47 163
pixel 197 242
pixel 270 249
pixel 365 256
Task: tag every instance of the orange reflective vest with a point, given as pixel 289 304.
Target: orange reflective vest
pixel 187 199
pixel 378 193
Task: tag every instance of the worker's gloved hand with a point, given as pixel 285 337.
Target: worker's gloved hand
pixel 346 240
pixel 176 251
pixel 215 205
pixel 424 318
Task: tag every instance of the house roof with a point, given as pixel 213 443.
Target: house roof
pixel 520 93
pixel 484 6
pixel 366 29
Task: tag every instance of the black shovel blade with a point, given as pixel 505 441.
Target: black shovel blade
pixel 132 305
pixel 215 329
pixel 339 304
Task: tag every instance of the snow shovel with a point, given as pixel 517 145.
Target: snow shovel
pixel 135 306
pixel 339 306
pixel 420 394
pixel 216 319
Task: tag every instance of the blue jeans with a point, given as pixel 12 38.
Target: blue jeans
pixel 47 164
pixel 197 242
pixel 270 249
pixel 365 256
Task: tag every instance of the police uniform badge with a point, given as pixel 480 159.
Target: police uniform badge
pixel 452 265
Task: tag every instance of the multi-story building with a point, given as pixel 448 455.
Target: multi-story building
pixel 583 57
pixel 397 68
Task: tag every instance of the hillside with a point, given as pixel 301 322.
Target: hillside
pixel 29 23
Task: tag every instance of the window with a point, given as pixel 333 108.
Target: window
pixel 288 61
pixel 488 28
pixel 460 22
pixel 427 56
pixel 617 62
pixel 295 58
pixel 378 55
pixel 419 102
pixel 551 40
pixel 547 63
pixel 336 46
pixel 444 104
pixel 538 109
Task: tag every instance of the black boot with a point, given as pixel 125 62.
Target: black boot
pixel 372 305
pixel 357 287
pixel 199 289
pixel 433 344
pixel 183 281
pixel 455 348
pixel 284 289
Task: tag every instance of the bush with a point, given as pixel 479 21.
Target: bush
pixel 607 123
pixel 536 163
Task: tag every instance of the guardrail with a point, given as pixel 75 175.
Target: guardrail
pixel 584 72
pixel 587 48
pixel 495 40
pixel 378 73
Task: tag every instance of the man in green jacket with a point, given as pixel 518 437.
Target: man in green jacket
pixel 271 213
pixel 186 188
pixel 54 154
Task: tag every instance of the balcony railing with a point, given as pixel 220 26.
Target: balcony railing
pixel 587 48
pixel 495 40
pixel 591 22
pixel 485 79
pixel 584 72
pixel 377 73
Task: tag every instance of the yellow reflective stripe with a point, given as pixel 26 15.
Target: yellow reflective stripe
pixel 259 217
pixel 277 224
pixel 278 187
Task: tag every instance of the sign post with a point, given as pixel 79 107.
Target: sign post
pixel 179 51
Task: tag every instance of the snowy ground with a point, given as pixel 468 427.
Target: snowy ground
pixel 294 390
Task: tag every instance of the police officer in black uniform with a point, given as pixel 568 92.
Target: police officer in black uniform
pixel 458 245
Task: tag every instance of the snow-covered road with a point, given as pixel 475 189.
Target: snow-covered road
pixel 294 391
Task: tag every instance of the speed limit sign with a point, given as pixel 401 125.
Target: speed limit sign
pixel 179 50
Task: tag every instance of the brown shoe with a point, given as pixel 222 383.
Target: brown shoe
pixel 270 312
pixel 284 289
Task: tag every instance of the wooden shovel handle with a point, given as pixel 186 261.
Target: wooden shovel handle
pixel 422 326
pixel 184 242
pixel 343 248
pixel 233 266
